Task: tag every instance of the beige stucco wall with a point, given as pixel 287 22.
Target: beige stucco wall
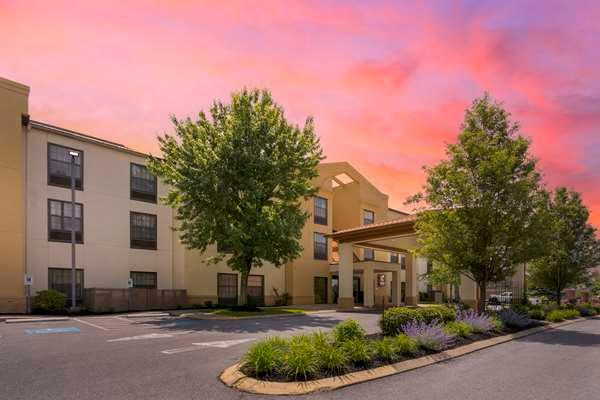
pixel 13 103
pixel 105 256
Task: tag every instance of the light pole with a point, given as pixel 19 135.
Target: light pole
pixel 73 155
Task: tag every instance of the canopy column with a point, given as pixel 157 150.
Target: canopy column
pixel 369 290
pixel 396 288
pixel 345 276
pixel 411 281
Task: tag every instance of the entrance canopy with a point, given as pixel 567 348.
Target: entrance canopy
pixel 398 236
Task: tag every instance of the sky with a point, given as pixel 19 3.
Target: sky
pixel 386 82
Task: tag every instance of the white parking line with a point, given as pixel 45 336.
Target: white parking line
pixel 222 344
pixel 142 337
pixel 90 324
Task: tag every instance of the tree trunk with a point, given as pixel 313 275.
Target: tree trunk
pixel 558 291
pixel 482 296
pixel 243 298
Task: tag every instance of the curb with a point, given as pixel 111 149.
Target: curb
pixel 235 378
pixel 148 315
pixel 25 320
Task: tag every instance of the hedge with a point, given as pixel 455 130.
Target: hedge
pixel 393 318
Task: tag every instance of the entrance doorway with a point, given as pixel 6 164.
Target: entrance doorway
pixel 357 293
pixel 320 290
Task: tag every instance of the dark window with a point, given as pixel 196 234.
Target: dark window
pixel 368 217
pixel 256 290
pixel 59 221
pixel 320 212
pixel 227 289
pixel 402 262
pixel 143 231
pixel 60 168
pixel 320 290
pixel 369 254
pixel 143 184
pixel 223 248
pixel 320 246
pixel 394 258
pixel 146 280
pixel 60 279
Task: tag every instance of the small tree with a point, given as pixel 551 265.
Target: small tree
pixel 237 177
pixel 482 205
pixel 573 248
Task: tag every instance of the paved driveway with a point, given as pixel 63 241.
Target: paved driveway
pixel 164 358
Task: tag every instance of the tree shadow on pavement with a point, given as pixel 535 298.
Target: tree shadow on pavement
pixel 568 336
pixel 284 323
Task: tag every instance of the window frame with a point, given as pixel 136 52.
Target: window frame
pixel 237 283
pixel 131 275
pixel 317 255
pixel 62 208
pixel 81 157
pixel 131 239
pixel 131 191
pixel 318 219
pixel 365 211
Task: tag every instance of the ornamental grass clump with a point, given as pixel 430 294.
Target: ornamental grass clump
pixel 358 351
pixel 266 356
pixel 479 323
pixel 385 349
pixel 430 336
pixel 332 359
pixel 394 318
pixel 301 359
pixel 348 330
pixel 513 319
pixel 405 345
pixel 458 328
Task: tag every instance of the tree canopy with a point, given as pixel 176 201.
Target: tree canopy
pixel 236 178
pixel 481 207
pixel 573 248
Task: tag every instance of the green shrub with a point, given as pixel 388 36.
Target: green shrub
pixel 571 313
pixel 358 351
pixel 332 358
pixel 266 356
pixel 49 301
pixel 320 339
pixel 301 359
pixel 555 316
pixel 393 318
pixel 348 330
pixel 405 345
pixel 498 324
pixel 587 310
pixel 520 308
pixel 458 328
pixel 537 313
pixel 385 349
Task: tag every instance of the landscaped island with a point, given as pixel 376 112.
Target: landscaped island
pixel 406 333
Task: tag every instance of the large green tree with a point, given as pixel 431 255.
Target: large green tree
pixel 573 248
pixel 481 206
pixel 237 178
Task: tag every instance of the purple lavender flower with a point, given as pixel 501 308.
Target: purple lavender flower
pixel 430 336
pixel 479 323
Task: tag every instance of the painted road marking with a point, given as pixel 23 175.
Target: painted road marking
pixel 90 324
pixel 52 330
pixel 149 336
pixel 142 337
pixel 222 344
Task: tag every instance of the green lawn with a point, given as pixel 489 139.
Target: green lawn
pixel 262 311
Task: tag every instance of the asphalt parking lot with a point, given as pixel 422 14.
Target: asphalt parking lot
pixel 114 357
